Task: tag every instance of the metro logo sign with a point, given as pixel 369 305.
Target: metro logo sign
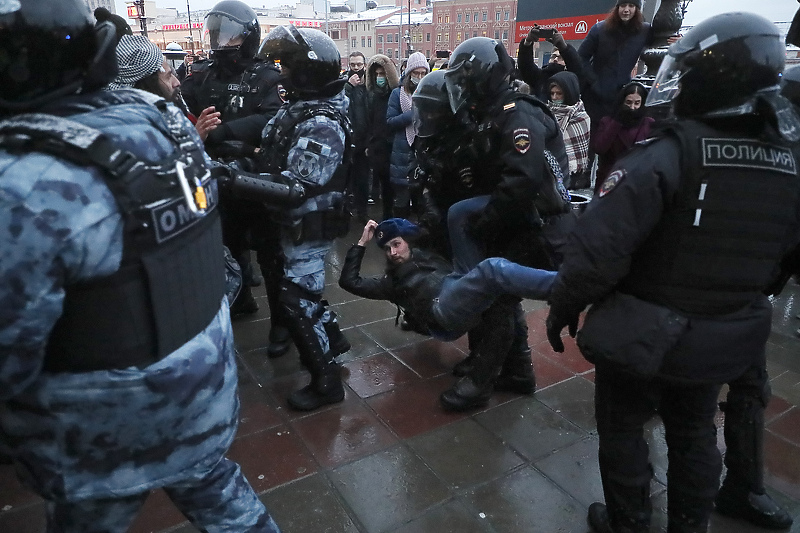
pixel 573 18
pixel 572 28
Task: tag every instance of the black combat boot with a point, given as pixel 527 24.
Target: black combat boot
pixel 742 494
pixel 517 374
pixel 325 387
pixel 465 366
pixel 326 383
pixel 600 522
pixel 280 339
pixel 245 303
pixel 495 337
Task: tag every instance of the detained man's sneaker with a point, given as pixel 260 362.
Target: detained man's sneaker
pixel 758 509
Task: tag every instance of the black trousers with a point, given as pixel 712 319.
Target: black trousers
pixel 623 404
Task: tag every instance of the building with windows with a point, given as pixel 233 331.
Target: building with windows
pixel 397 38
pixel 361 31
pixel 455 21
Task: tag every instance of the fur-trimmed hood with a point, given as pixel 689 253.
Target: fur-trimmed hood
pixel 388 65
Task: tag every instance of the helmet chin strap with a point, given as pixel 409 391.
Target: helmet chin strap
pixel 769 101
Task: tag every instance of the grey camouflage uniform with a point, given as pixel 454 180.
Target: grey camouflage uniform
pixel 95 443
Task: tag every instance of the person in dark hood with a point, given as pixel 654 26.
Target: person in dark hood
pixel 381 79
pixel 563 57
pixel 566 104
pixel 617 133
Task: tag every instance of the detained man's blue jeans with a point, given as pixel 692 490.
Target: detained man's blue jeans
pixel 463 299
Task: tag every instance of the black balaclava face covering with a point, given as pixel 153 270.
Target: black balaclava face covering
pixel 630 117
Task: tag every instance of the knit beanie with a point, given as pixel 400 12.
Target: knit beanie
pixel 395 227
pixel 637 3
pixel 416 60
pixel 137 58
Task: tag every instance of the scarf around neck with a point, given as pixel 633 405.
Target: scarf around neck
pixel 405 105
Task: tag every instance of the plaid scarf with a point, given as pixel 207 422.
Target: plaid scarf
pixel 405 105
pixel 574 124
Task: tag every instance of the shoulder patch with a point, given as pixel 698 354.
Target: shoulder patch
pixel 522 140
pixel 611 182
pixel 512 105
pixel 308 164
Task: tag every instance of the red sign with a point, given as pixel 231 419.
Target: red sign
pixel 133 12
pixel 572 28
pixel 173 27
pixel 306 23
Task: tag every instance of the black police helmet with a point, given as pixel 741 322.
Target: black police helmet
pixel 52 48
pixel 431 104
pixel 231 31
pixel 720 63
pixel 311 60
pixel 478 70
pixel 790 85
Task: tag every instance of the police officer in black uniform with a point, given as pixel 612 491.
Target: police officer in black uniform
pixel 675 252
pixel 247 92
pixel 512 131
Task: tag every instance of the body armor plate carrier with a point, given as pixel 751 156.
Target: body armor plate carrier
pixel 721 239
pixel 172 276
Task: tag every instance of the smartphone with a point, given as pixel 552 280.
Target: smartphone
pixel 547 33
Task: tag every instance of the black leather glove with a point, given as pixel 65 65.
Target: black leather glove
pixel 556 321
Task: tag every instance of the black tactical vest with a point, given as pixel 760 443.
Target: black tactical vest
pixel 720 240
pixel 236 95
pixel 172 276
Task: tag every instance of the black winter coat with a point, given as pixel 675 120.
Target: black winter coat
pixel 412 285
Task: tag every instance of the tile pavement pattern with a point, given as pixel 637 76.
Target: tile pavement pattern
pixel 389 459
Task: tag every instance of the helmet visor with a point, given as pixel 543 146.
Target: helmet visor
pixel 666 85
pixel 220 33
pixel 456 80
pixel 429 122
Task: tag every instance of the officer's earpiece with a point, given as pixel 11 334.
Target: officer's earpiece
pixel 103 67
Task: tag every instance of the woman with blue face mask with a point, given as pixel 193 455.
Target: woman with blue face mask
pixel 399 118
pixel 381 80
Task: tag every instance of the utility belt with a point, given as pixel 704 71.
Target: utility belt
pixel 321 225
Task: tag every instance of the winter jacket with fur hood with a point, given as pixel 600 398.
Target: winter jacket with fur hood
pixel 378 137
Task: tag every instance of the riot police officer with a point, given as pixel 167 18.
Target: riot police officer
pixel 117 367
pixel 246 92
pixel 675 252
pixel 302 169
pixel 512 131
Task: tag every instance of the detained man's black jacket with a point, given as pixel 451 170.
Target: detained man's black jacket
pixel 412 285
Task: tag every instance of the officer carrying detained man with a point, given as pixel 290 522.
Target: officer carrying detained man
pixel 117 367
pixel 302 172
pixel 511 133
pixel 675 253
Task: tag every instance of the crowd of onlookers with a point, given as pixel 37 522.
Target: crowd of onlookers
pixel 599 109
